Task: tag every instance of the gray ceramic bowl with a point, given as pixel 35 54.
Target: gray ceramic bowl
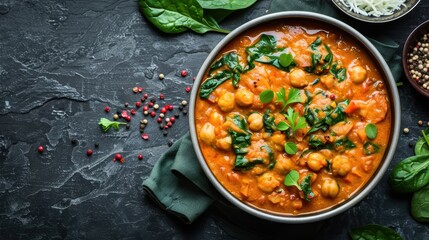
pixel 409 5
pixel 395 106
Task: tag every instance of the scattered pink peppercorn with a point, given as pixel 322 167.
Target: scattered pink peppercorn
pixel 184 73
pixel 145 136
pixel 172 119
pixel 133 112
pixel 107 109
pixel 159 119
pixel 151 104
pixel 122 160
pixel 152 114
pixel 142 99
pixel 128 118
pixel 145 108
pixel 135 89
pixel 188 89
pixel 145 96
pixel 170 107
pixel 169 124
pixel 118 156
pixel 124 114
pixel 140 156
pixel 161 96
pixel 138 104
pixel 166 127
pixel 89 152
pixel 163 110
pixel 332 97
pixel 40 149
pixel 140 89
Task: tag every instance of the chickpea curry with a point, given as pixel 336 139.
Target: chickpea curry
pixel 293 117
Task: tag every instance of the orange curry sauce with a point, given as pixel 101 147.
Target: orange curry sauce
pixel 340 158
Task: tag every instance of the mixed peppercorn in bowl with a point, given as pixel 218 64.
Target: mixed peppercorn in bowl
pixel 415 58
pixel 295 117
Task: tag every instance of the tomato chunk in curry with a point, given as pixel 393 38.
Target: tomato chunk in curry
pixel 293 117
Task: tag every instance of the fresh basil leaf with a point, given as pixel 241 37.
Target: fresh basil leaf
pixel 339 73
pixel 422 145
pixel 209 85
pixel 291 179
pixel 306 188
pixel 374 232
pixel 420 205
pixel 411 174
pixel 286 59
pixel 371 131
pixel 174 17
pixel 290 148
pixel 226 4
pixel 266 96
pixel 370 148
pixel 268 121
pixel 282 126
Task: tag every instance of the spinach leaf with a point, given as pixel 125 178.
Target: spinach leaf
pixel 268 121
pixel 331 117
pixel 370 148
pixel 411 174
pixel 231 61
pixel 343 144
pixel 420 205
pixel 328 58
pixel 316 142
pixel 339 73
pixel 226 4
pixel 374 232
pixel 265 51
pixel 306 188
pixel 178 16
pixel 315 59
pixel 209 85
pixel 315 44
pixel 270 156
pixel 422 144
pixel 240 143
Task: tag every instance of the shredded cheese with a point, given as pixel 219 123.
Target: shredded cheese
pixel 375 8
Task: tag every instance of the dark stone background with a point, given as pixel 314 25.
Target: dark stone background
pixel 62 61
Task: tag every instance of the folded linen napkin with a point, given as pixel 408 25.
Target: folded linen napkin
pixel 177 182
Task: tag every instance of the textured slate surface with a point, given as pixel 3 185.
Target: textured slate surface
pixel 61 62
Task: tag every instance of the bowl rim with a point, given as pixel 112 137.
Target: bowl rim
pixel 394 98
pixel 405 50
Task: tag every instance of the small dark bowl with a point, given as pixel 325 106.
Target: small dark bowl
pixel 411 42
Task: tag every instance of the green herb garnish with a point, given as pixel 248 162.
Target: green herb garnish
pixel 370 148
pixel 266 96
pixel 295 122
pixel 371 131
pixel 106 124
pixel 290 148
pixel 291 179
pixel 339 73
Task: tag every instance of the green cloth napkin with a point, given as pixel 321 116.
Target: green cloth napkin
pixel 178 184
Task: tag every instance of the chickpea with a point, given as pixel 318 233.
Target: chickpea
pixel 226 102
pixel 207 133
pixel 267 182
pixel 298 78
pixel 327 80
pixel 316 161
pixel 358 74
pixel 224 143
pixel 216 119
pixel 244 97
pixel 255 122
pixel 341 165
pixel 330 188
